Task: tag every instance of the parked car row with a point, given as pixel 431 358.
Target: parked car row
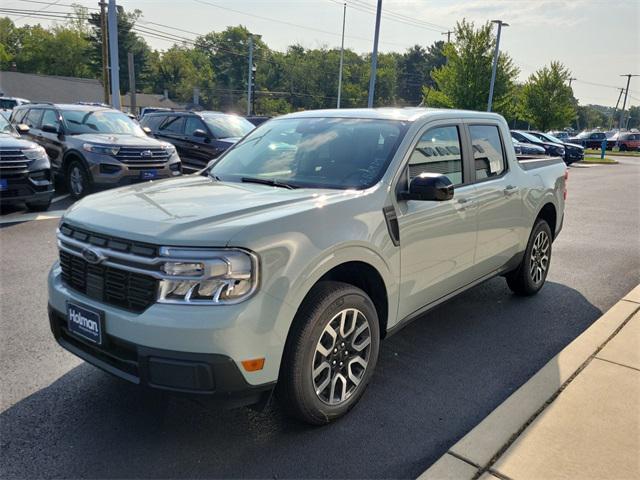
pixel 550 145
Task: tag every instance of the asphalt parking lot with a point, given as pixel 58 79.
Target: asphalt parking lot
pixel 435 380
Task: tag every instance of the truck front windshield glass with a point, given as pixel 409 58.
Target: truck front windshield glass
pixel 77 122
pixel 343 153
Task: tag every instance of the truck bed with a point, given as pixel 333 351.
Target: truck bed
pixel 533 162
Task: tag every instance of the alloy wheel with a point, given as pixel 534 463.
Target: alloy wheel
pixel 76 180
pixel 341 356
pixel 539 261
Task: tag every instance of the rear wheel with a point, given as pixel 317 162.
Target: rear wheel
pixel 77 179
pixel 623 147
pixel 330 354
pixel 532 272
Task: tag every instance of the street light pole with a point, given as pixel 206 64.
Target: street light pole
pixel 624 102
pixel 495 61
pixel 250 74
pixel 374 56
pixel 105 51
pixel 113 53
pixel 344 17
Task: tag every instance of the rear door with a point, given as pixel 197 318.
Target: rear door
pixel 32 120
pixel 437 239
pixel 498 197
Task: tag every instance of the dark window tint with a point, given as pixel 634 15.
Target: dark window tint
pixel 193 124
pixel 18 115
pixel 487 151
pixel 50 117
pixel 152 121
pixel 33 118
pixel 438 151
pixel 173 125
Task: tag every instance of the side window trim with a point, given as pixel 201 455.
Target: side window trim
pixel 507 167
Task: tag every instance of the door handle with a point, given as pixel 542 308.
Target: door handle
pixel 464 203
pixel 510 189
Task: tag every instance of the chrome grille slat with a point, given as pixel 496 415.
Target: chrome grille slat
pixel 131 155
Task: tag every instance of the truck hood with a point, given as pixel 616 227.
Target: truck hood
pixel 192 210
pixel 117 139
pixel 8 140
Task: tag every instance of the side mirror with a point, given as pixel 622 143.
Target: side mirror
pixel 47 127
pixel 433 187
pixel 22 128
pixel 146 130
pixel 198 132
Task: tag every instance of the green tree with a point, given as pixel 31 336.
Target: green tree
pixel 414 71
pixel 463 82
pixel 634 117
pixel 547 98
pixel 128 41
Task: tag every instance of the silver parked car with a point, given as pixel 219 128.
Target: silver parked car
pixel 285 264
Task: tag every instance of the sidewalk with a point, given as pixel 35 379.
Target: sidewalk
pixel 577 418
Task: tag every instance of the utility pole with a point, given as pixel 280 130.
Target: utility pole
pixel 374 56
pixel 495 61
pixel 448 34
pixel 624 102
pixel 250 75
pixel 105 52
pixel 615 109
pixel 571 79
pixel 113 54
pixel 344 17
pixel 132 84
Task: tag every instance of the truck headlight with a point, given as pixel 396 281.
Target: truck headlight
pixel 198 276
pixel 102 149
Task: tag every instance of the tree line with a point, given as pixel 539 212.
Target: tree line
pixel 451 75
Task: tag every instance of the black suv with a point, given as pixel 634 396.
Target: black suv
pixel 95 146
pixel 25 171
pixel 198 136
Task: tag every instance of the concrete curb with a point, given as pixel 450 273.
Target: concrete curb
pixel 477 451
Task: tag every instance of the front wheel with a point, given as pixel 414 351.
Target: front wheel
pixel 532 272
pixel 77 180
pixel 330 354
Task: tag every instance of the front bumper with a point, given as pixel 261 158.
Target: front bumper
pixel 21 187
pixel 108 172
pixel 212 375
pixel 217 338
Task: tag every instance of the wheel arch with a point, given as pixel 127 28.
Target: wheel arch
pixel 549 213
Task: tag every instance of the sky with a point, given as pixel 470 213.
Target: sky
pixel 597 40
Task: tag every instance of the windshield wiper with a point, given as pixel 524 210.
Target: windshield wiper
pixel 268 181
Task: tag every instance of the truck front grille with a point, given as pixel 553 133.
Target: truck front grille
pixel 132 291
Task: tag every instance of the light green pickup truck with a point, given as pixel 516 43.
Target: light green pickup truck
pixel 283 265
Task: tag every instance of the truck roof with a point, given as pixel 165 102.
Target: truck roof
pixel 409 114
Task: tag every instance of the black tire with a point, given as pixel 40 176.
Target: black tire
pixel 39 206
pixel 623 147
pixel 532 272
pixel 77 179
pixel 318 314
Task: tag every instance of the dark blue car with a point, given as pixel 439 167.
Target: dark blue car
pixel 199 137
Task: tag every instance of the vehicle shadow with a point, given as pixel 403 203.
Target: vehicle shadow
pixel 435 380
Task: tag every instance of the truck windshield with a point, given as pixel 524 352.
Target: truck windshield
pixel 341 153
pixel 77 122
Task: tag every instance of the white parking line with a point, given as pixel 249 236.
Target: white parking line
pixel 60 197
pixel 27 217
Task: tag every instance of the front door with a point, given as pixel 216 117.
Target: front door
pixel 437 239
pixel 51 141
pixel 498 200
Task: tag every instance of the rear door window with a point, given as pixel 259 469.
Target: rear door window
pixel 488 153
pixel 438 151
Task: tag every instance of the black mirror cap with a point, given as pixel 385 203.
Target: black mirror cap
pixel 22 128
pixel 433 187
pixel 198 132
pixel 47 127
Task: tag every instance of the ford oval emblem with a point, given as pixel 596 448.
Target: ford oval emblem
pixel 92 256
pixel 146 153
